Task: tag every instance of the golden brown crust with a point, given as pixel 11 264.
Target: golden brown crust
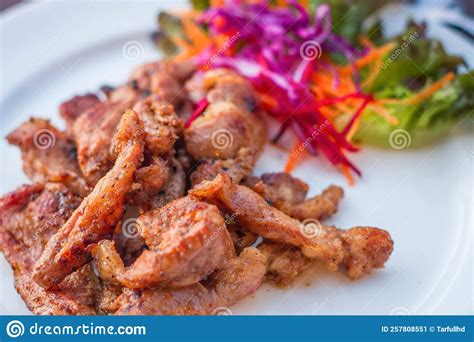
pixel 187 240
pixel 93 132
pixel 285 262
pixel 164 79
pixel 29 217
pixel 241 277
pixel 237 168
pixel 98 214
pixel 288 194
pixel 161 124
pixel 183 258
pixel 222 85
pixel 219 133
pixel 315 240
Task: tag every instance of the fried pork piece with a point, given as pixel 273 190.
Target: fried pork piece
pixel 154 176
pixel 241 277
pixel 149 182
pixel 222 84
pixel 48 155
pixel 98 214
pixel 237 168
pixel 29 216
pixel 288 194
pixel 161 124
pixel 242 238
pixel 73 108
pixel 229 135
pixel 365 248
pixel 164 79
pixel 175 187
pixel 93 131
pixel 333 246
pixel 129 246
pixel 158 184
pixel 187 240
pixel 219 133
pixel 285 262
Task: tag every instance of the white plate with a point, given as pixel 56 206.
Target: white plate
pixel 52 51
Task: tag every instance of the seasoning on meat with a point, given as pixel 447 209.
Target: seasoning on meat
pixel 99 212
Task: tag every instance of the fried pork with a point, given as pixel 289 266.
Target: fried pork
pixel 333 246
pixel 98 214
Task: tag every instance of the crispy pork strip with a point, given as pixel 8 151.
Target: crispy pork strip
pixel 287 194
pixel 93 131
pixel 29 216
pixel 48 155
pixel 187 240
pixel 318 207
pixel 241 277
pixel 360 248
pixel 98 214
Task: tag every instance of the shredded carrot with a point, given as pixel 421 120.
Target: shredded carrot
pixel 369 57
pixel 195 33
pixel 353 129
pixel 281 3
pixel 366 42
pixel 186 49
pixel 373 73
pixel 424 94
pixel 383 112
pixel 217 3
pixel 346 172
pixel 293 157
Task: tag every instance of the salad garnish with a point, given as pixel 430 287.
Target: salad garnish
pixel 333 91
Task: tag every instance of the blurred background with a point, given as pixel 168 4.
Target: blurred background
pixel 466 6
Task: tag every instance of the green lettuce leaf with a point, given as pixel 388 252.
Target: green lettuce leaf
pixel 426 122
